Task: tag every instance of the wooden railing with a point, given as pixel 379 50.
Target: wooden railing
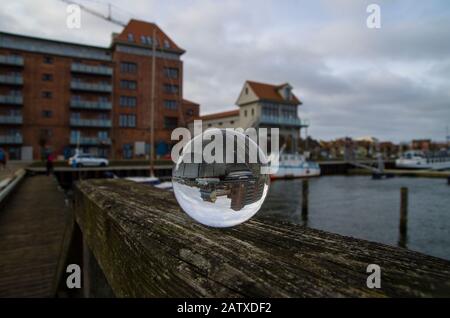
pixel 139 243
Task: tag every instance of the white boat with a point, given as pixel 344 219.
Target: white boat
pixel 153 181
pixel 295 166
pixel 414 159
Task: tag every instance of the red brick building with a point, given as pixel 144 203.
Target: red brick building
pixel 56 96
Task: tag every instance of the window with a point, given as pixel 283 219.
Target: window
pixel 253 112
pixel 125 84
pixel 127 150
pixel 103 99
pixel 128 101
pixel 128 67
pixel 289 112
pixel 75 134
pixel 147 40
pixel 287 93
pixel 246 91
pixel 127 120
pixel 170 72
pixel 102 134
pixel 14 112
pixel 171 104
pixel 220 123
pixel 47 77
pixel 189 112
pixel 48 60
pixel 130 37
pixel 171 89
pixel 170 122
pixel 166 43
pixel 232 122
pixel 46 94
pixel 47 113
pixel 270 110
pixel 245 113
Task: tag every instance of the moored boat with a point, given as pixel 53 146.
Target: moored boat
pixel 414 159
pixel 295 166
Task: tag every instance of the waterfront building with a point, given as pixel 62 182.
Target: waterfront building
pixel 56 96
pixel 263 105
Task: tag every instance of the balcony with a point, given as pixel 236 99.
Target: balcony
pixel 11 60
pixel 11 99
pixel 84 104
pixel 11 79
pixel 283 121
pixel 90 69
pixel 80 122
pixel 11 139
pixel 90 141
pixel 11 119
pixel 92 87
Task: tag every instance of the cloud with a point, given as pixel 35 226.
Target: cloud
pixel 392 83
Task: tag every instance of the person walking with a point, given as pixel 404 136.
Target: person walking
pixel 2 159
pixel 49 163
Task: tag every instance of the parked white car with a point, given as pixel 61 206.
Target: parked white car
pixel 87 160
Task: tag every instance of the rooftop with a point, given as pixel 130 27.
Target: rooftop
pixel 141 33
pixel 229 113
pixel 270 92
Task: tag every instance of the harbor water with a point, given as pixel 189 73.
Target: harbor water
pixel 360 207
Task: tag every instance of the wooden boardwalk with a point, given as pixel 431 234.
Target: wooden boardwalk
pixel 31 229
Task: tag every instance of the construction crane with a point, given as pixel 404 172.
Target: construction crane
pixel 107 17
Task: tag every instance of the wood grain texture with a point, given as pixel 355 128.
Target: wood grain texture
pixel 147 247
pixel 31 230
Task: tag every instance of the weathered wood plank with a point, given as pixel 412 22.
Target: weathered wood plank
pixel 147 247
pixel 31 229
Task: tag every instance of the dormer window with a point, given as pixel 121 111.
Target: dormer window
pixel 166 44
pixel 130 37
pixel 287 93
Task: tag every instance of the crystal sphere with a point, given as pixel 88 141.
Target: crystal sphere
pixel 226 191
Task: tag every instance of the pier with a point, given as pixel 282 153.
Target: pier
pixel 132 240
pixel 32 221
pixel 68 175
pixel 136 241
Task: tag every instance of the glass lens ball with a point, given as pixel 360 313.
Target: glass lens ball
pixel 227 191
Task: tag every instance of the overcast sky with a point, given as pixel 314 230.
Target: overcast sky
pixel 392 83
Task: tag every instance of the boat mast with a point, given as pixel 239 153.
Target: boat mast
pixel 152 105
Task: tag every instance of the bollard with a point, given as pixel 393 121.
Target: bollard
pixel 305 193
pixel 403 211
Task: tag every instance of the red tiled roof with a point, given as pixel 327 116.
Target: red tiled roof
pixel 270 92
pixel 139 28
pixel 220 115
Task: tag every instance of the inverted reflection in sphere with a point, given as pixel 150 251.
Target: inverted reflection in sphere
pixel 221 194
